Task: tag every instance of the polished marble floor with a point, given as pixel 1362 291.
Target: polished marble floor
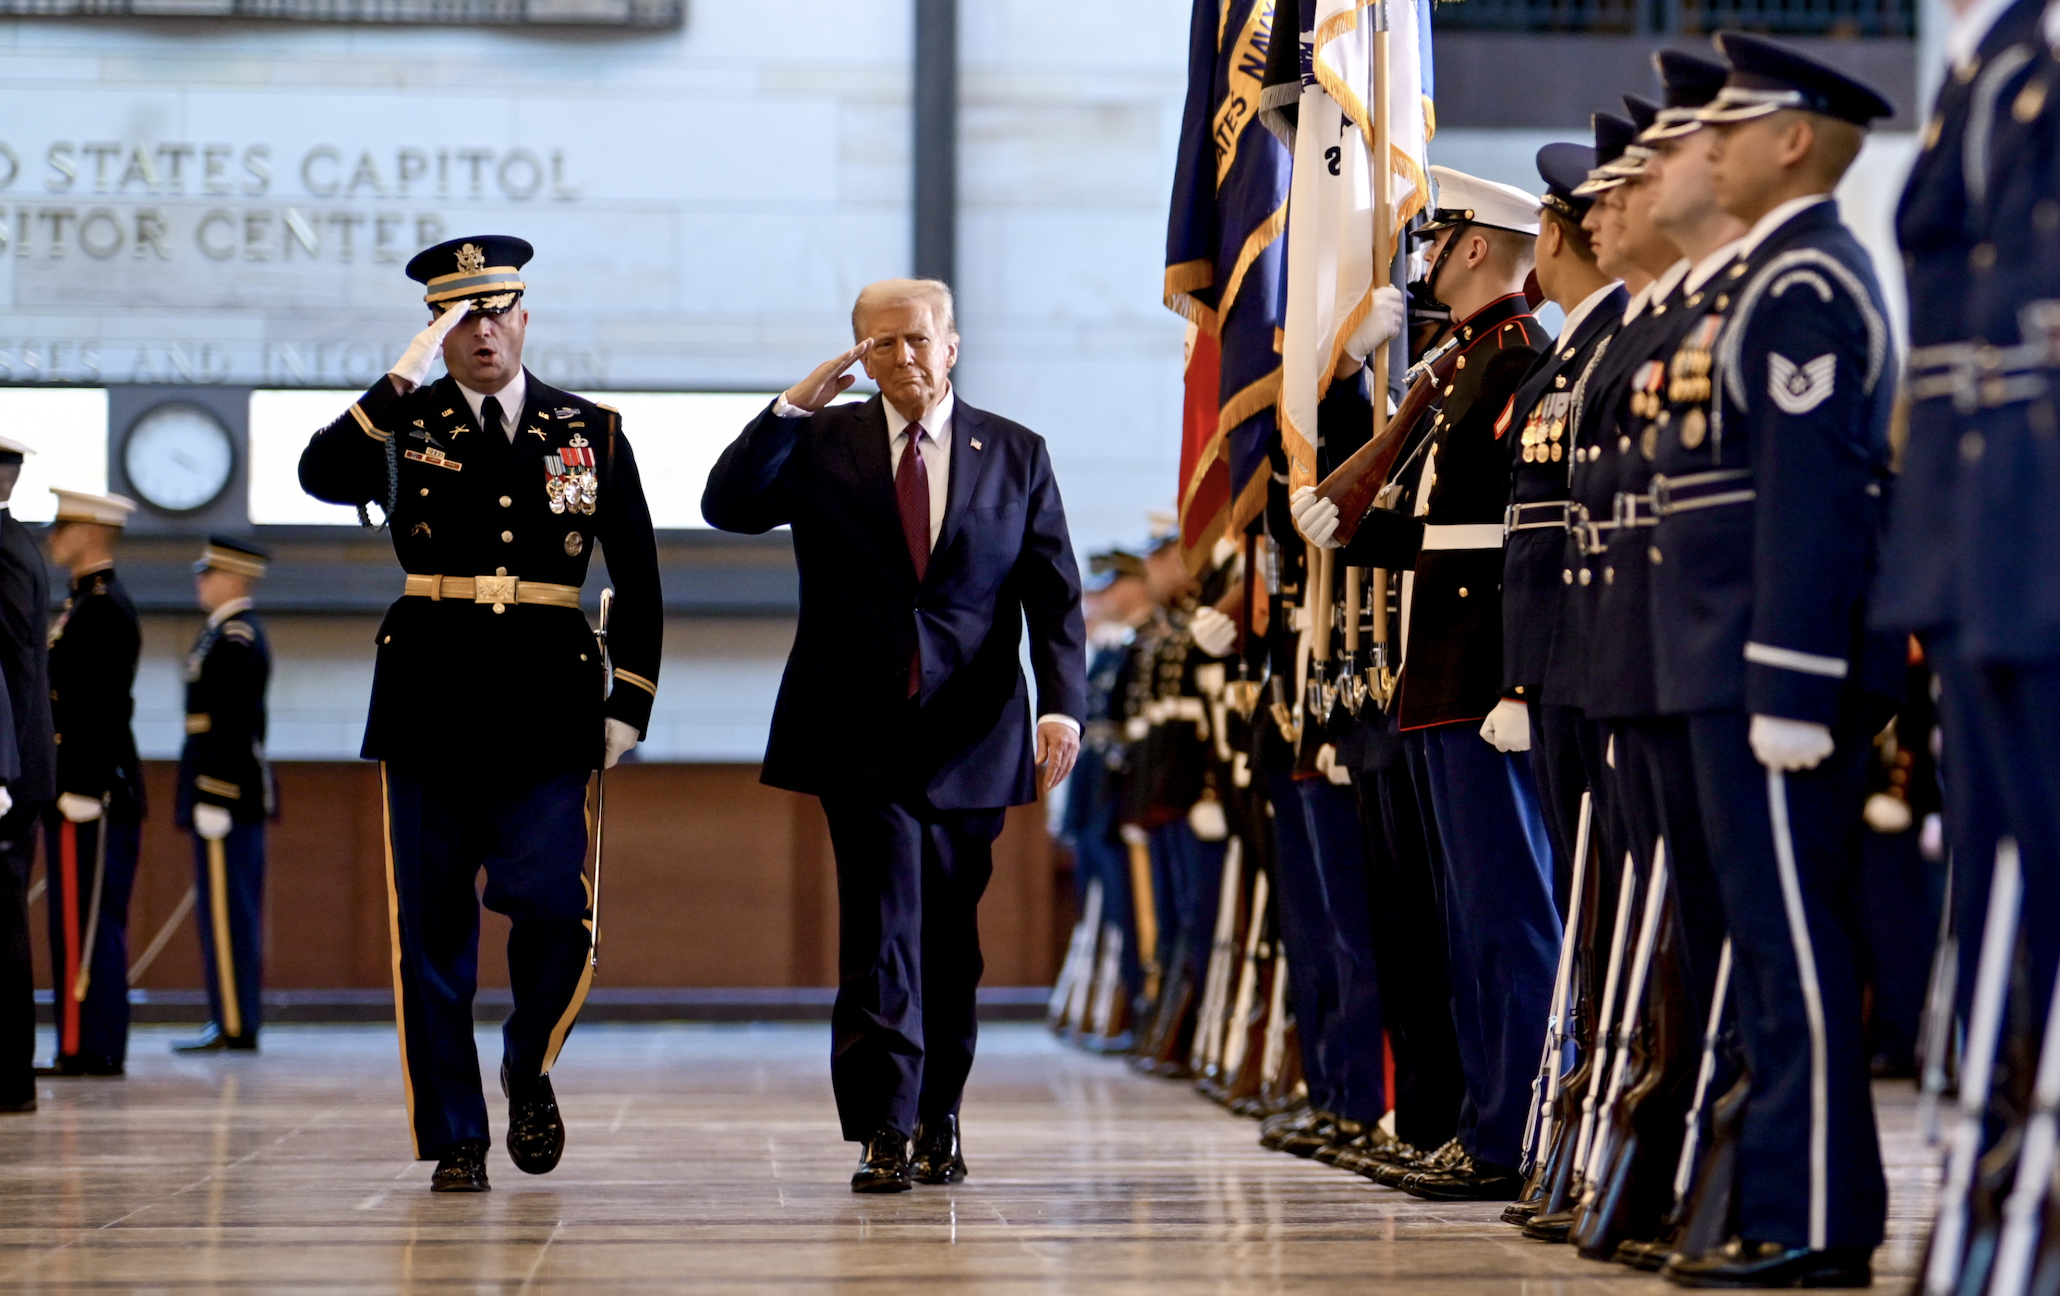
pixel 704 1159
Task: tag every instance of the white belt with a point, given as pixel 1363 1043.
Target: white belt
pixel 1469 535
pixel 1161 710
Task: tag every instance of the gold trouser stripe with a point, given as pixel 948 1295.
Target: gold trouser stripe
pixel 218 911
pixel 393 933
pixel 465 589
pixel 586 974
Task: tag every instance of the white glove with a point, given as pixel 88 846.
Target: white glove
pixel 1215 633
pixel 1887 814
pixel 1205 819
pixel 621 737
pixel 1380 326
pixel 6 800
pixel 413 366
pixel 212 822
pixel 78 809
pixel 1789 744
pixel 1508 727
pixel 1315 517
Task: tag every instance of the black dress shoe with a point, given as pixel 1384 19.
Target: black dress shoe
pixel 1378 1148
pixel 1272 1129
pixel 1471 1181
pixel 27 1104
pixel 536 1135
pixel 1739 1263
pixel 213 1038
pixel 937 1156
pixel 1648 1256
pixel 884 1167
pixel 1307 1141
pixel 1343 1134
pixel 461 1168
pixel 1391 1172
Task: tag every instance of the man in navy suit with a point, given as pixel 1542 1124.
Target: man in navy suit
pixel 928 533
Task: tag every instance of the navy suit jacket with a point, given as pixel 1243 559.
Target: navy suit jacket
pixel 844 725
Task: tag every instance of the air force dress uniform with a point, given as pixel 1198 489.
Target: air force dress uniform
pixel 1971 560
pixel 222 765
pixel 1767 493
pixel 487 712
pixel 94 645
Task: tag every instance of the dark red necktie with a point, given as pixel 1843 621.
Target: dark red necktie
pixel 912 494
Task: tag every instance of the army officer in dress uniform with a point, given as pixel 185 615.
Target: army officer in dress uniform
pixel 225 789
pixel 92 832
pixel 488 713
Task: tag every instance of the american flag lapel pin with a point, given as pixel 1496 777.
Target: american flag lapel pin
pixel 976 443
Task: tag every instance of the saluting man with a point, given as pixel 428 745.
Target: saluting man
pixel 225 790
pixel 491 702
pixel 1767 490
pixel 92 832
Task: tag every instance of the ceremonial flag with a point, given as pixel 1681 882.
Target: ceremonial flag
pixel 1330 270
pixel 1224 269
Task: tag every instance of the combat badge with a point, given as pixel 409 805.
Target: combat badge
pixel 569 479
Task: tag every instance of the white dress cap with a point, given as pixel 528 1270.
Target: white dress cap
pixel 1462 197
pixel 79 506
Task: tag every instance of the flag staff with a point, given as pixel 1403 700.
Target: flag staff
pixel 1381 680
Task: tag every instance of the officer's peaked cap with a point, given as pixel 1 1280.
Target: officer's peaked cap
pixel 1767 77
pixel 484 268
pixel 233 554
pixel 12 451
pixel 1564 168
pixel 1688 83
pixel 1613 134
pixel 82 506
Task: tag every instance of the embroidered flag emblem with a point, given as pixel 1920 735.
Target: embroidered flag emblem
pixel 1798 389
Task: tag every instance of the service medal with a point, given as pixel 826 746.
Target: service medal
pixel 574 542
pixel 1648 441
pixel 1694 427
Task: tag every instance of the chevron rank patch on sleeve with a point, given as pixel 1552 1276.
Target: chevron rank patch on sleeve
pixel 1798 389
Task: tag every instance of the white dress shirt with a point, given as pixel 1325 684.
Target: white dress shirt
pixel 1764 228
pixel 936 452
pixel 1576 316
pixel 510 397
pixel 227 610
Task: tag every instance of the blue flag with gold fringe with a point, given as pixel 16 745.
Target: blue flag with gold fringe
pixel 1225 265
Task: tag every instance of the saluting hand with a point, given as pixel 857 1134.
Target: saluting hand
pixel 412 369
pixel 829 380
pixel 1058 746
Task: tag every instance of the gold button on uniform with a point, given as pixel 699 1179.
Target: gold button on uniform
pixel 507 537
pixel 425 490
pixel 505 501
pixel 1462 591
pixel 1586 576
pixel 1566 575
pixel 1971 446
pixel 500 571
pixel 1653 553
pixel 1982 256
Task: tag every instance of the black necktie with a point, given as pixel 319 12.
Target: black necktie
pixel 490 417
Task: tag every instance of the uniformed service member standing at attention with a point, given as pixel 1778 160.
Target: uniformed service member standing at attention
pixel 1767 486
pixel 91 834
pixel 27 777
pixel 491 702
pixel 225 790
